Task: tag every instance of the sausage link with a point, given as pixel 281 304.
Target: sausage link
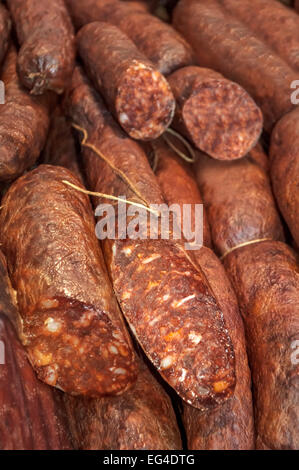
pixel 138 95
pixel 170 169
pixel 140 419
pixel 241 210
pixel 30 416
pixel 71 324
pixel 45 33
pixel 258 155
pixel 24 123
pixel 272 22
pixel 239 202
pixel 217 115
pixel 284 161
pixel 5 27
pixel 165 298
pixel 231 425
pixel 266 279
pixel 60 148
pixel 223 43
pixel 157 40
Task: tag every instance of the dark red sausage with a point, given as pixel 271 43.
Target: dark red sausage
pixel 217 115
pixel 140 419
pixel 157 40
pixel 60 148
pixel 24 123
pixel 272 22
pixel 172 169
pixel 264 273
pixel 266 279
pixel 70 321
pixel 223 43
pixel 284 158
pixel 239 202
pixel 165 298
pixel 30 416
pixel 5 27
pixel 45 33
pixel 231 425
pixel 137 94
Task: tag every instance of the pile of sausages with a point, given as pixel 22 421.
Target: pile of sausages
pixel 132 343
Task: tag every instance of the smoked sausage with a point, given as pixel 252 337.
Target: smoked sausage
pixel 223 43
pixel 140 419
pixel 229 426
pixel 5 27
pixel 157 40
pixel 274 23
pixel 138 95
pixel 30 416
pixel 246 231
pixel 70 321
pixel 24 122
pixel 217 115
pixel 45 33
pixel 284 162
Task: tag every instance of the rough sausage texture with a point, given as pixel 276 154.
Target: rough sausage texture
pixel 272 22
pixel 30 417
pixel 157 40
pixel 223 43
pixel 71 324
pixel 45 33
pixel 138 95
pixel 140 419
pixel 259 156
pixel 24 123
pixel 265 277
pixel 178 185
pixel 239 202
pixel 231 425
pixel 5 27
pixel 217 115
pixel 165 298
pixel 284 156
pixel 60 148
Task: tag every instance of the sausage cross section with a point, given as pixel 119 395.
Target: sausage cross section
pixel 137 94
pixel 70 321
pixel 216 114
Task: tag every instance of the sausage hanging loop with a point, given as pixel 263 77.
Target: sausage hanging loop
pixel 126 180
pixel 108 196
pixel 176 150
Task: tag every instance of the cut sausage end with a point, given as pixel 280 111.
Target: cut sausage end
pixel 72 347
pixel 145 104
pixel 222 119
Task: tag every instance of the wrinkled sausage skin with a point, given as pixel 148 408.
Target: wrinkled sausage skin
pixel 45 33
pixel 70 321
